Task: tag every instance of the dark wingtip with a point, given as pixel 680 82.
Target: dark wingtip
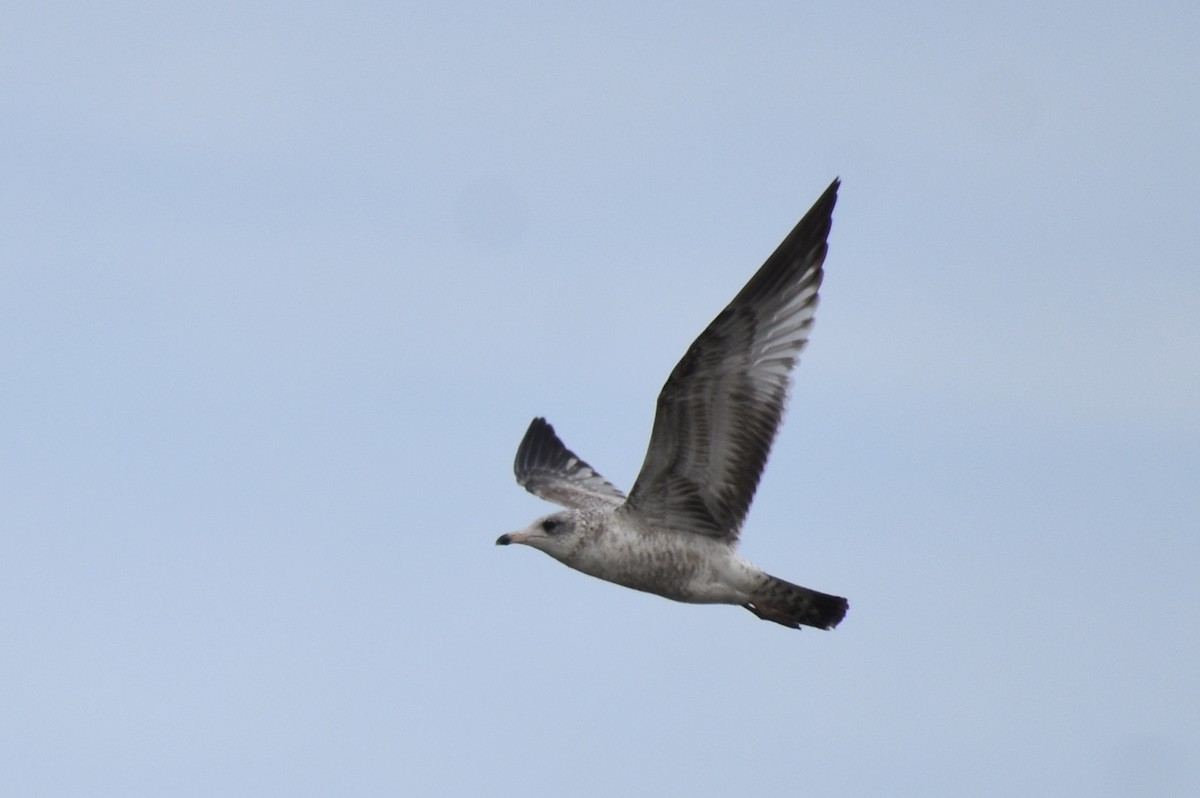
pixel 537 437
pixel 823 207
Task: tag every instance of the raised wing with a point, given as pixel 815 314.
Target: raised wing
pixel 548 469
pixel 719 410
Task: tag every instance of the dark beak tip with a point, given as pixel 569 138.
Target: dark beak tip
pixel 503 540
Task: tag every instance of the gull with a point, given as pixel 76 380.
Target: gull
pixel 676 533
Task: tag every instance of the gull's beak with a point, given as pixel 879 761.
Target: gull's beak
pixel 510 537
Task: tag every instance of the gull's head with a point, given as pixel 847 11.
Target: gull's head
pixel 558 534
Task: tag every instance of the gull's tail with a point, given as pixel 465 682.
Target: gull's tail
pixel 794 606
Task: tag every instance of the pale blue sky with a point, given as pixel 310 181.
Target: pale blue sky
pixel 284 283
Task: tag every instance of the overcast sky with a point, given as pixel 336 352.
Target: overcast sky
pixel 284 283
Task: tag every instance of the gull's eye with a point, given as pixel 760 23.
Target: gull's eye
pixel 551 525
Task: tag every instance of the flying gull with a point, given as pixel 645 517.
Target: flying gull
pixel 676 533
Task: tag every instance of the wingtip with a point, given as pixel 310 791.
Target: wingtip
pixel 829 195
pixel 530 444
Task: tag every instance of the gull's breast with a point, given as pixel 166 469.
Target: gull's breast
pixel 677 565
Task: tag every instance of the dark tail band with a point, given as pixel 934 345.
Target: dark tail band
pixel 795 606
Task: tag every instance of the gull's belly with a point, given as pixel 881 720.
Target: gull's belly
pixel 680 566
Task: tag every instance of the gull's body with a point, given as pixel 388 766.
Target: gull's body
pixel 676 533
pixel 679 565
